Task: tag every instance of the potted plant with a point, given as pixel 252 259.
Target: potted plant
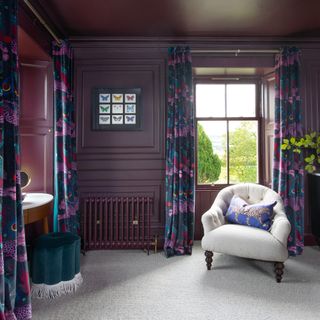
pixel 309 146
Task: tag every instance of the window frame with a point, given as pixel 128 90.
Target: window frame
pixel 258 118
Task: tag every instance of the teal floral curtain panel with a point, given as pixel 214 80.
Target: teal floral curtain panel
pixel 179 230
pixel 66 205
pixel 288 169
pixel 14 277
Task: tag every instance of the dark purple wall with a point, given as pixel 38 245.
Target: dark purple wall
pixel 126 163
pixel 35 30
pixel 36 121
pixel 36 102
pixel 36 135
pixel 310 81
pixel 36 108
pixel 122 163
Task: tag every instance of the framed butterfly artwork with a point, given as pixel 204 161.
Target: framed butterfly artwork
pixel 116 109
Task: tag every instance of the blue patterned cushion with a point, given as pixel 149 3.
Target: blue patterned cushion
pixel 257 215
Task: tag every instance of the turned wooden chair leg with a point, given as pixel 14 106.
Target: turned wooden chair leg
pixel 209 255
pixel 278 269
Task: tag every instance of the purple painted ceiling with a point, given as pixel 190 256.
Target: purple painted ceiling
pixel 183 17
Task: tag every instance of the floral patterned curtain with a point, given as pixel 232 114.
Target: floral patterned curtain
pixel 14 277
pixel 66 203
pixel 179 229
pixel 288 169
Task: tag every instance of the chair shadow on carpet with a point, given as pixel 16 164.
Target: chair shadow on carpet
pixel 264 269
pixel 245 264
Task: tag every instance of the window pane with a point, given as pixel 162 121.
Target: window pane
pixel 210 100
pixel 243 151
pixel 241 100
pixel 212 152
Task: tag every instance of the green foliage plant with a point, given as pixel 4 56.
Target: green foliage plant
pixel 309 146
pixel 209 164
pixel 243 153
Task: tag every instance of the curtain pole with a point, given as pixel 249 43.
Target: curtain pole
pixel 35 12
pixel 235 51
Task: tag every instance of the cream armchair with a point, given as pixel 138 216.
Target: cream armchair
pixel 244 241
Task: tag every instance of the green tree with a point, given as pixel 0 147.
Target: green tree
pixel 209 164
pixel 243 153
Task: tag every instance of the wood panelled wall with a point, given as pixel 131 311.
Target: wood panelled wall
pixel 36 132
pixel 127 163
pixel 122 163
pixel 310 78
pixel 36 122
pixel 310 95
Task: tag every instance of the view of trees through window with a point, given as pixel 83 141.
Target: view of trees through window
pixel 227 133
pixel 209 168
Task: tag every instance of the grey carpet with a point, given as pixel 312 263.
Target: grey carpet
pixel 131 285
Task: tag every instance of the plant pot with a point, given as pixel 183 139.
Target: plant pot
pixel 313 181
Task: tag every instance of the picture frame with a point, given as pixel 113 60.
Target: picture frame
pixel 116 109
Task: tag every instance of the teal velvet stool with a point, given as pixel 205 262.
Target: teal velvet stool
pixel 55 266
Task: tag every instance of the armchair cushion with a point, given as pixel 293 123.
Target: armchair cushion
pixel 235 204
pixel 257 215
pixel 246 242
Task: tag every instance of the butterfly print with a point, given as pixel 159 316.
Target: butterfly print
pixel 117 108
pixel 104 97
pixel 117 119
pixel 130 108
pixel 130 119
pixel 130 97
pixel 117 97
pixel 104 108
pixel 104 119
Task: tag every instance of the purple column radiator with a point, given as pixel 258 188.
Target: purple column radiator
pixel 116 223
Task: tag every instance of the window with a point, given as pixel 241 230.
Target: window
pixel 227 133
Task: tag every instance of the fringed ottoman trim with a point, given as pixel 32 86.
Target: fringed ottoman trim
pixel 47 291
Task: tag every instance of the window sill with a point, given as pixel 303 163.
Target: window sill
pixel 211 187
